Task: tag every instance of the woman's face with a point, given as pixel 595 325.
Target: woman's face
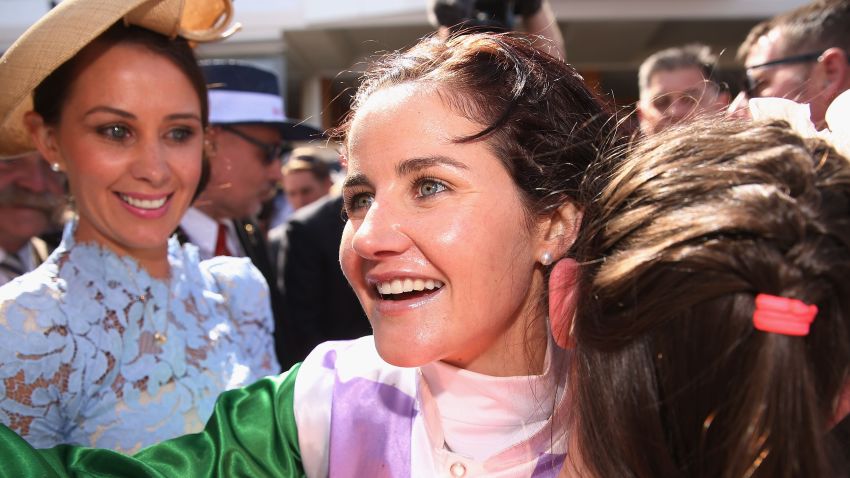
pixel 437 245
pixel 130 138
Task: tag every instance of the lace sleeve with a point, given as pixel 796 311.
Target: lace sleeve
pixel 36 376
pixel 247 297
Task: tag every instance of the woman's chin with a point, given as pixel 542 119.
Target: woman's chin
pixel 402 354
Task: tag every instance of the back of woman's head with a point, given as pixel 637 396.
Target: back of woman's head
pixel 671 377
pixel 537 114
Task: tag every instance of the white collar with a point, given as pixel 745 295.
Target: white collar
pixel 478 415
pixel 202 231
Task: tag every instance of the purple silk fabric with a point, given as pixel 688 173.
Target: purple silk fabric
pixel 548 466
pixel 371 429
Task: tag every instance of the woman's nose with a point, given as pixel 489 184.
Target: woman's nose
pixel 151 163
pixel 380 232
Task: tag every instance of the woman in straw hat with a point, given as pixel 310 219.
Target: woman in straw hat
pixel 122 338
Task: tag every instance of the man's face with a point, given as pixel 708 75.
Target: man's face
pixel 30 194
pixel 303 187
pixel 780 81
pixel 794 80
pixel 242 176
pixel 672 96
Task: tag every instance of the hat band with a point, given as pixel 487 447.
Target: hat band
pixel 228 106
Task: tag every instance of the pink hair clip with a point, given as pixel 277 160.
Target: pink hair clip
pixel 782 315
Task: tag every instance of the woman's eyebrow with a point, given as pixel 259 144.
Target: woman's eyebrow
pixel 412 165
pixel 357 179
pixel 109 109
pixel 184 116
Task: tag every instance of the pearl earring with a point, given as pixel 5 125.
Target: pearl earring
pixel 55 167
pixel 546 258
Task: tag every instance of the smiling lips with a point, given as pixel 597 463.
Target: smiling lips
pixel 149 208
pixel 397 289
pixel 144 203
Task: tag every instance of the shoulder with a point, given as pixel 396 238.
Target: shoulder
pixel 343 377
pixel 33 288
pixel 239 285
pixel 327 210
pixel 37 324
pixel 233 273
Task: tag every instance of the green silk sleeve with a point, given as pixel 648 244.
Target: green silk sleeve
pixel 252 433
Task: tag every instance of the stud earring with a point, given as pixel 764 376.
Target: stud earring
pixel 546 258
pixel 55 167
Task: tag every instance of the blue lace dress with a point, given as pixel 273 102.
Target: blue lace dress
pixel 94 351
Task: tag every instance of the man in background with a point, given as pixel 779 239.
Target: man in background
pixel 677 84
pixel 306 177
pixel 31 200
pixel 318 301
pixel 801 55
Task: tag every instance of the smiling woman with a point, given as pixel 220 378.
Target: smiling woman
pixel 122 329
pixel 132 159
pixel 463 164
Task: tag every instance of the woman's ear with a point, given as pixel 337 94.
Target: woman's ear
pixel 558 232
pixel 557 235
pixel 44 137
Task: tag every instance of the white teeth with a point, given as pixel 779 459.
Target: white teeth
pixel 400 286
pixel 144 203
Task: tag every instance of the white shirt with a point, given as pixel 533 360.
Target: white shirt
pixel 202 231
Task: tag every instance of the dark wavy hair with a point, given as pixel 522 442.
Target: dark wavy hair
pixel 540 118
pixel 670 377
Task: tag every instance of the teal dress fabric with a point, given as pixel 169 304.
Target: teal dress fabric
pixel 95 352
pixel 252 433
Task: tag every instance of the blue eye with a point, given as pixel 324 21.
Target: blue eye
pixel 358 202
pixel 181 134
pixel 429 187
pixel 115 132
pixel 362 200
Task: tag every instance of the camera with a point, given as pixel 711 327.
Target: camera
pixel 480 15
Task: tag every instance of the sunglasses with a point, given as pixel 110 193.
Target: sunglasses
pixel 271 152
pixel 751 85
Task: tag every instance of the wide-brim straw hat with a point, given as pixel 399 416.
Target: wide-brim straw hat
pixel 73 24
